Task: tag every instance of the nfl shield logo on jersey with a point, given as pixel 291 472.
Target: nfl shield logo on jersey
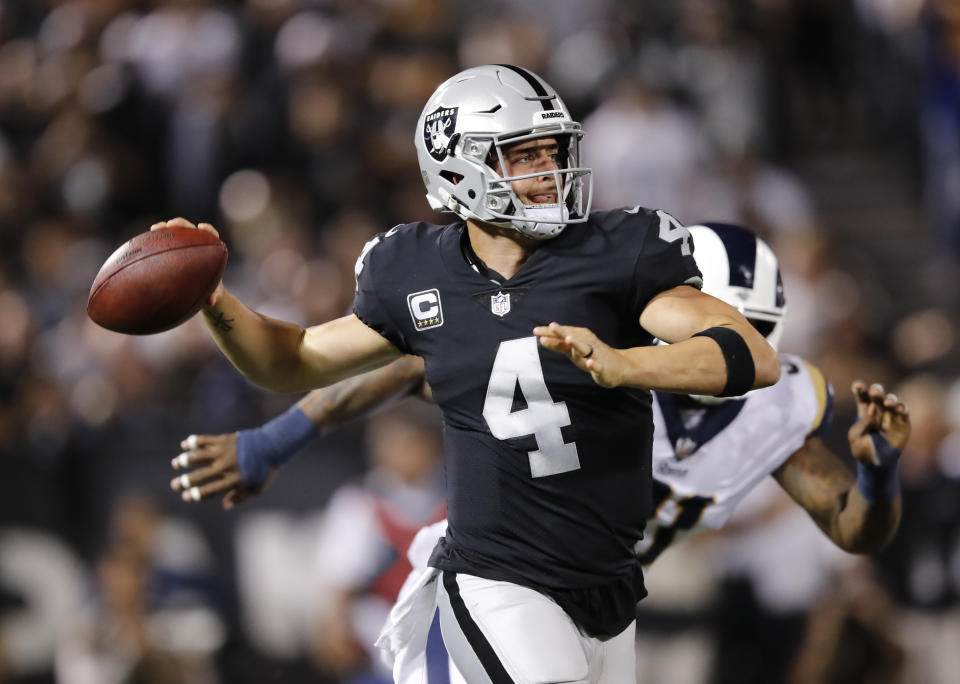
pixel 438 128
pixel 500 304
pixel 684 447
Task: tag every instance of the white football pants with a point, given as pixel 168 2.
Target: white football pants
pixel 502 633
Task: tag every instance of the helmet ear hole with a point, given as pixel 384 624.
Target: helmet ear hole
pixel 452 177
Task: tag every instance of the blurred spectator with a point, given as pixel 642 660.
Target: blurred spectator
pixel 771 200
pixel 322 586
pixel 645 150
pixel 775 565
pixel 361 555
pixel 851 634
pixel 675 640
pixel 940 119
pixel 922 564
pixel 723 75
pixel 155 618
pixel 924 337
pixel 42 584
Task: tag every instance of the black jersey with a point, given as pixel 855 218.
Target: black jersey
pixel 548 474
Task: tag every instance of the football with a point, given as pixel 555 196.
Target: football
pixel 156 280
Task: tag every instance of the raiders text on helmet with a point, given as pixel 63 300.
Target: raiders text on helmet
pixel 460 137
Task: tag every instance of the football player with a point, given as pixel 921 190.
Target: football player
pixel 708 454
pixel 539 579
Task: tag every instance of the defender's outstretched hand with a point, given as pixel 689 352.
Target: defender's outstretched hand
pixel 585 350
pixel 214 458
pixel 184 223
pixel 881 417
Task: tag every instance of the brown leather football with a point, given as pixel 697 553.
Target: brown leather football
pixel 156 280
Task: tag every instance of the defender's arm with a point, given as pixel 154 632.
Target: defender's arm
pixel 853 511
pixel 239 464
pixel 363 395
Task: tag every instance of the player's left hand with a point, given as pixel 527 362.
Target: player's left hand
pixel 604 363
pixel 877 412
pixel 218 474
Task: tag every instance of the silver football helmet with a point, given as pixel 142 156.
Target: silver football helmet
pixel 740 269
pixel 461 135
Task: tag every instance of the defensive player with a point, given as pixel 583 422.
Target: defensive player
pixel 544 504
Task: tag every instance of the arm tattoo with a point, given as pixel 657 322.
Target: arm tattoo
pixel 219 321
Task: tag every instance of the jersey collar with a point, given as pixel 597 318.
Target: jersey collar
pixel 686 442
pixel 460 258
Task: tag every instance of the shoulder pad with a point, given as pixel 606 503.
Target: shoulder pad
pixel 798 370
pixel 404 236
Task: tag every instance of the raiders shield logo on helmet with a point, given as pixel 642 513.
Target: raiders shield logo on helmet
pixel 438 127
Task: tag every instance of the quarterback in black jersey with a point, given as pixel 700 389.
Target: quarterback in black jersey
pixel 545 452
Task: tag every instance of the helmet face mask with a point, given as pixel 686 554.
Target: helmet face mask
pixel 740 269
pixel 466 127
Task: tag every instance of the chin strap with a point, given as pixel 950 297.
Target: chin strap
pixel 541 221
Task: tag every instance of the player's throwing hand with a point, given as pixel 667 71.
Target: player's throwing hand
pixel 586 350
pixel 184 223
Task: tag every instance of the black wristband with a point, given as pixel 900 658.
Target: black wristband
pixel 741 372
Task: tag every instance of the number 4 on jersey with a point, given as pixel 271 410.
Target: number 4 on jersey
pixel 358 266
pixel 671 229
pixel 518 362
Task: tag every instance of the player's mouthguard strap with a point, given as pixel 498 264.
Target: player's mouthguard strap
pixel 741 372
pixel 272 444
pixel 880 482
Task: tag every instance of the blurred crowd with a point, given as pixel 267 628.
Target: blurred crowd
pixel 830 128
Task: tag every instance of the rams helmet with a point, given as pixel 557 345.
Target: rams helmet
pixel 741 269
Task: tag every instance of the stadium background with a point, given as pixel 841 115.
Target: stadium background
pixel 831 128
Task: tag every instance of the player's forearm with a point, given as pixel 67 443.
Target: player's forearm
pixel 713 347
pixel 693 366
pixel 265 350
pixel 824 487
pixel 361 396
pixel 863 526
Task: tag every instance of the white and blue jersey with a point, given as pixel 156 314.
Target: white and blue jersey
pixel 705 460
